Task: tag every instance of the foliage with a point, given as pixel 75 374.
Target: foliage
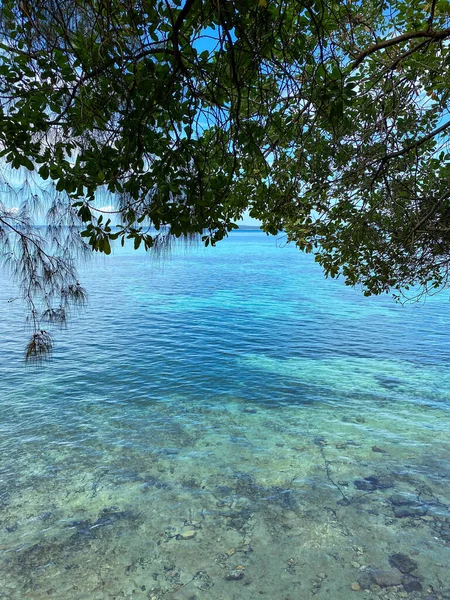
pixel 326 119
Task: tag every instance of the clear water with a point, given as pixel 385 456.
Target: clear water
pixel 201 428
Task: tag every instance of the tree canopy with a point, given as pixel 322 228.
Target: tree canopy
pixel 325 119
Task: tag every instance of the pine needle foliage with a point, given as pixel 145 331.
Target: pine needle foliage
pixel 326 119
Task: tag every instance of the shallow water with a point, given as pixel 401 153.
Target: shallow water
pixel 226 424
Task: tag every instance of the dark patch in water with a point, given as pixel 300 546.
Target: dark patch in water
pixel 108 517
pixel 168 451
pixel 240 440
pixel 45 515
pixel 374 482
pixel 120 476
pixel 282 497
pixel 246 486
pixel 388 383
pixel 224 490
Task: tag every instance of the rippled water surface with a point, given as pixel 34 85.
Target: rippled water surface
pixel 226 424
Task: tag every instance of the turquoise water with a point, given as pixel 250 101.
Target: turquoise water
pixel 226 424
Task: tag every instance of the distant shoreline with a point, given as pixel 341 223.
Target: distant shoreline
pixel 240 227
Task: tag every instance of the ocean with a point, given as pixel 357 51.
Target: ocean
pixel 223 424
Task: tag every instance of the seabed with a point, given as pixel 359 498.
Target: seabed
pixel 230 500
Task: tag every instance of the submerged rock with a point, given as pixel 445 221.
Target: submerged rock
pixel 320 441
pixel 403 562
pixel 404 499
pixel 235 575
pixel 187 535
pixel 382 577
pixel 374 482
pixel 402 512
pixel 386 578
pixel 365 579
pixel 412 584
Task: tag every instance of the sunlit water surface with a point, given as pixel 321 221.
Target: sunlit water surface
pixel 226 424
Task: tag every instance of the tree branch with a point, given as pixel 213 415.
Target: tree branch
pixel 433 8
pixel 402 57
pixel 17 51
pixel 177 26
pixel 417 143
pixel 433 210
pixel 405 37
pixel 132 57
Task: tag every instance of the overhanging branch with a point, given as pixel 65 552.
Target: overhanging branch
pixel 418 142
pixel 177 27
pixel 434 36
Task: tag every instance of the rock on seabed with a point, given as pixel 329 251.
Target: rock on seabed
pixel 403 562
pixel 187 535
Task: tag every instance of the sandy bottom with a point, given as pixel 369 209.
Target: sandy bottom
pixel 230 501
